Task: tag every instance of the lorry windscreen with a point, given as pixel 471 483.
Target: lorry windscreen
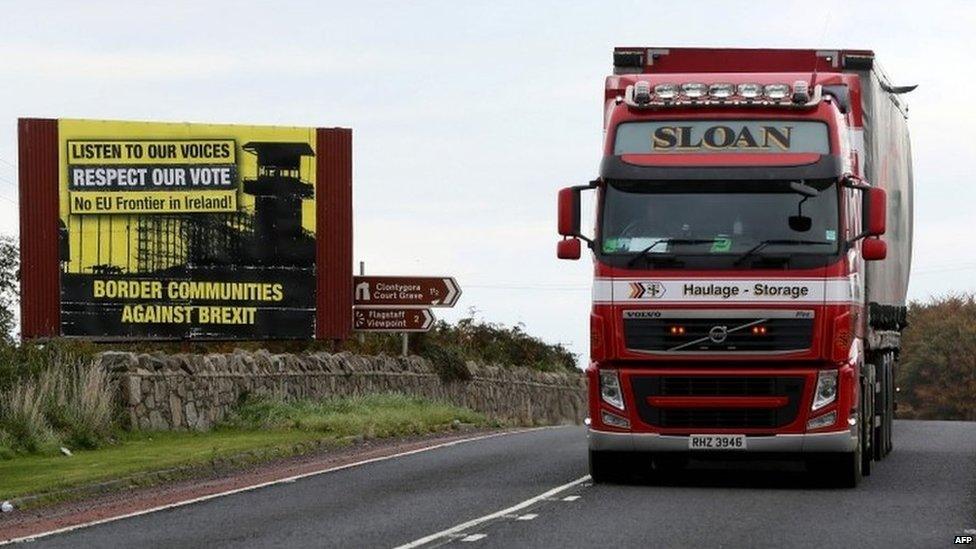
pixel 713 224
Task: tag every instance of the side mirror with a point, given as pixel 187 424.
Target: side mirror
pixel 874 211
pixel 569 249
pixel 569 211
pixel 874 249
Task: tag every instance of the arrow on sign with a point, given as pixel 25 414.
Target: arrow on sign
pixel 393 320
pixel 405 291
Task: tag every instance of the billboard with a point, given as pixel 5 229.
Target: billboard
pixel 189 231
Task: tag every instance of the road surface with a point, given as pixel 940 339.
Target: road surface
pixel 531 490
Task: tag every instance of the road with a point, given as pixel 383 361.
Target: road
pixel 922 495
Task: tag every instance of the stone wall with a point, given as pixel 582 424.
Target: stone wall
pixel 192 391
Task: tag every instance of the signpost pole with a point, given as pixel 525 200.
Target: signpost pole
pixel 406 343
pixel 362 271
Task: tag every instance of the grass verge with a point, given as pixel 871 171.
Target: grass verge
pixel 264 428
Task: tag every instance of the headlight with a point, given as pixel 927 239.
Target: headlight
pixel 610 389
pixel 826 389
pixel 750 91
pixel 666 91
pixel 694 90
pixel 777 91
pixel 721 91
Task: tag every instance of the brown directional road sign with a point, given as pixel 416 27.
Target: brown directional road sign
pixel 406 291
pixel 392 320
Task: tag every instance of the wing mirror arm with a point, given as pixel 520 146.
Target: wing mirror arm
pixel 873 207
pixel 569 212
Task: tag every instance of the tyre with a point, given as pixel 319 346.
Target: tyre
pixel 849 468
pixel 608 467
pixel 866 431
pixel 840 470
pixel 882 407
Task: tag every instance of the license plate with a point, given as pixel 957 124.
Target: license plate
pixel 717 442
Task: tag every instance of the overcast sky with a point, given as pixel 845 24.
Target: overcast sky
pixel 467 116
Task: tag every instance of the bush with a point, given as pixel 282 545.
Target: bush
pixel 937 370
pixel 447 346
pixel 66 404
pixel 29 360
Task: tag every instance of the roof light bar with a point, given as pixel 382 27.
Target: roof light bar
pixel 671 94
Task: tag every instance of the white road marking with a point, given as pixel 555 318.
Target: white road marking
pixel 528 516
pixel 571 498
pixel 480 520
pixel 474 537
pixel 265 484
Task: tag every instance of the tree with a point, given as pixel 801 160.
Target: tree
pixel 9 287
pixel 937 371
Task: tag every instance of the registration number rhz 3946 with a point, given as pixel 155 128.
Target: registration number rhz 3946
pixel 717 442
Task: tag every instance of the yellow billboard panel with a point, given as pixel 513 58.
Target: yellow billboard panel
pixel 225 208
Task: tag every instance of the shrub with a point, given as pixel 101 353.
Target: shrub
pixel 937 370
pixel 447 346
pixel 29 360
pixel 65 404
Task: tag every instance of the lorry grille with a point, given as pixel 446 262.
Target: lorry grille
pixel 790 387
pixel 692 334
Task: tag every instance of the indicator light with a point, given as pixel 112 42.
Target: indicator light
pixel 677 330
pixel 801 91
pixel 759 330
pixel 642 93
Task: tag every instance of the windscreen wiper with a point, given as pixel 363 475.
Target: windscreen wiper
pixel 775 241
pixel 644 253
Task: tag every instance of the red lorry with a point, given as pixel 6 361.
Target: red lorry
pixel 752 249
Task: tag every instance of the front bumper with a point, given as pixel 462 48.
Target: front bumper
pixel 837 441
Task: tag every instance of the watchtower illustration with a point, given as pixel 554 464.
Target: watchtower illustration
pixel 278 191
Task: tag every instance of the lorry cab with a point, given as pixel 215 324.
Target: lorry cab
pixel 735 220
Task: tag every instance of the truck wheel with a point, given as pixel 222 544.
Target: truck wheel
pixel 890 410
pixel 608 467
pixel 665 467
pixel 881 405
pixel 837 470
pixel 866 429
pixel 849 468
